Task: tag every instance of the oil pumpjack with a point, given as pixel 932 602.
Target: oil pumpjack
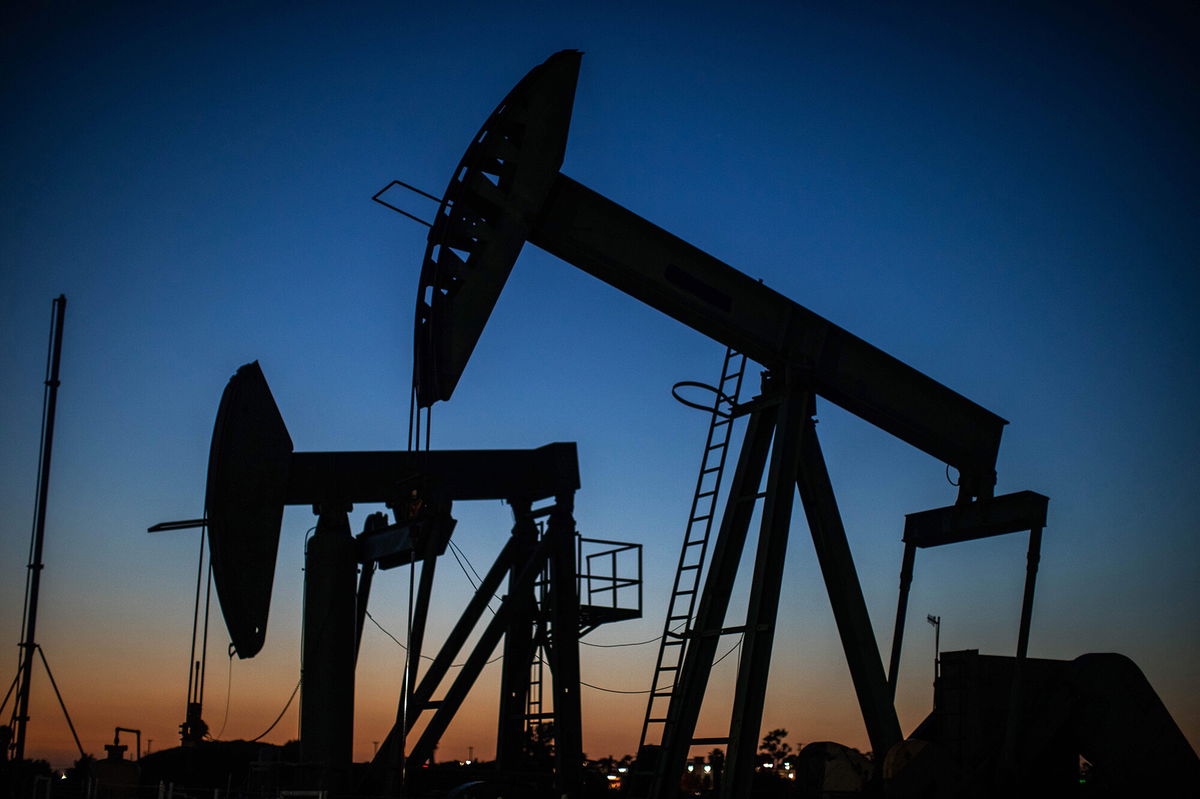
pixel 507 190
pixel 254 473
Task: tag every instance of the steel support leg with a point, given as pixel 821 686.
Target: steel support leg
pixel 1032 558
pixel 518 644
pixel 327 690
pixel 845 595
pixel 758 639
pixel 416 637
pixel 564 652
pixel 1011 755
pixel 360 604
pixel 698 656
pixel 906 575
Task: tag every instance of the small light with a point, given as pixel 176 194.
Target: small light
pixel 621 769
pixel 707 768
pixel 691 768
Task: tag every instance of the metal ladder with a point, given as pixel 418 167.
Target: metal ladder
pixel 681 609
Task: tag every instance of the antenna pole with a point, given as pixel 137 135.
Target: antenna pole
pixel 29 634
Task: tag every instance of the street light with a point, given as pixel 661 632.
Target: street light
pixel 936 621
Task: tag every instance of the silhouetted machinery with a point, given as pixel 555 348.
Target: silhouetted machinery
pixel 507 190
pixel 253 473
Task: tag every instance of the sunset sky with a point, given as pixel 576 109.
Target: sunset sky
pixel 1003 197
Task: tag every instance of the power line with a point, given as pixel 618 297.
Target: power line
pixel 280 716
pixel 618 691
pixel 631 643
pixel 426 657
pixel 454 550
pixel 612 690
pixel 468 560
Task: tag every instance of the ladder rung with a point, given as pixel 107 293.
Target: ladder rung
pixel 704 518
pixel 682 568
pixel 710 470
pixel 657 721
pixel 703 494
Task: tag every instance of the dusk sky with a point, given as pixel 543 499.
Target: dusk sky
pixel 1004 197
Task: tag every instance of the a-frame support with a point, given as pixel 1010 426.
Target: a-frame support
pixel 780 424
pixel 522 560
pixel 520 645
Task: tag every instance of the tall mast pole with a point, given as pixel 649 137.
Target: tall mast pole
pixel 29 634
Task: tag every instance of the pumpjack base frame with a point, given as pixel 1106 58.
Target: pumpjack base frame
pixel 780 426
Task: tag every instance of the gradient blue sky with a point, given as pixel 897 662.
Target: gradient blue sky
pixel 1004 197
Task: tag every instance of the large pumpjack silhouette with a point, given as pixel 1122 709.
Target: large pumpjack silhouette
pixel 254 473
pixel 508 190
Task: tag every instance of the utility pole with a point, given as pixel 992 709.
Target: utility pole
pixel 29 634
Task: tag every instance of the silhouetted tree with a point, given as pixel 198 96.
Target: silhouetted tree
pixel 82 769
pixel 539 746
pixel 773 746
pixel 716 759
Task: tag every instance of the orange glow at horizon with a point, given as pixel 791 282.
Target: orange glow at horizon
pixel 106 690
